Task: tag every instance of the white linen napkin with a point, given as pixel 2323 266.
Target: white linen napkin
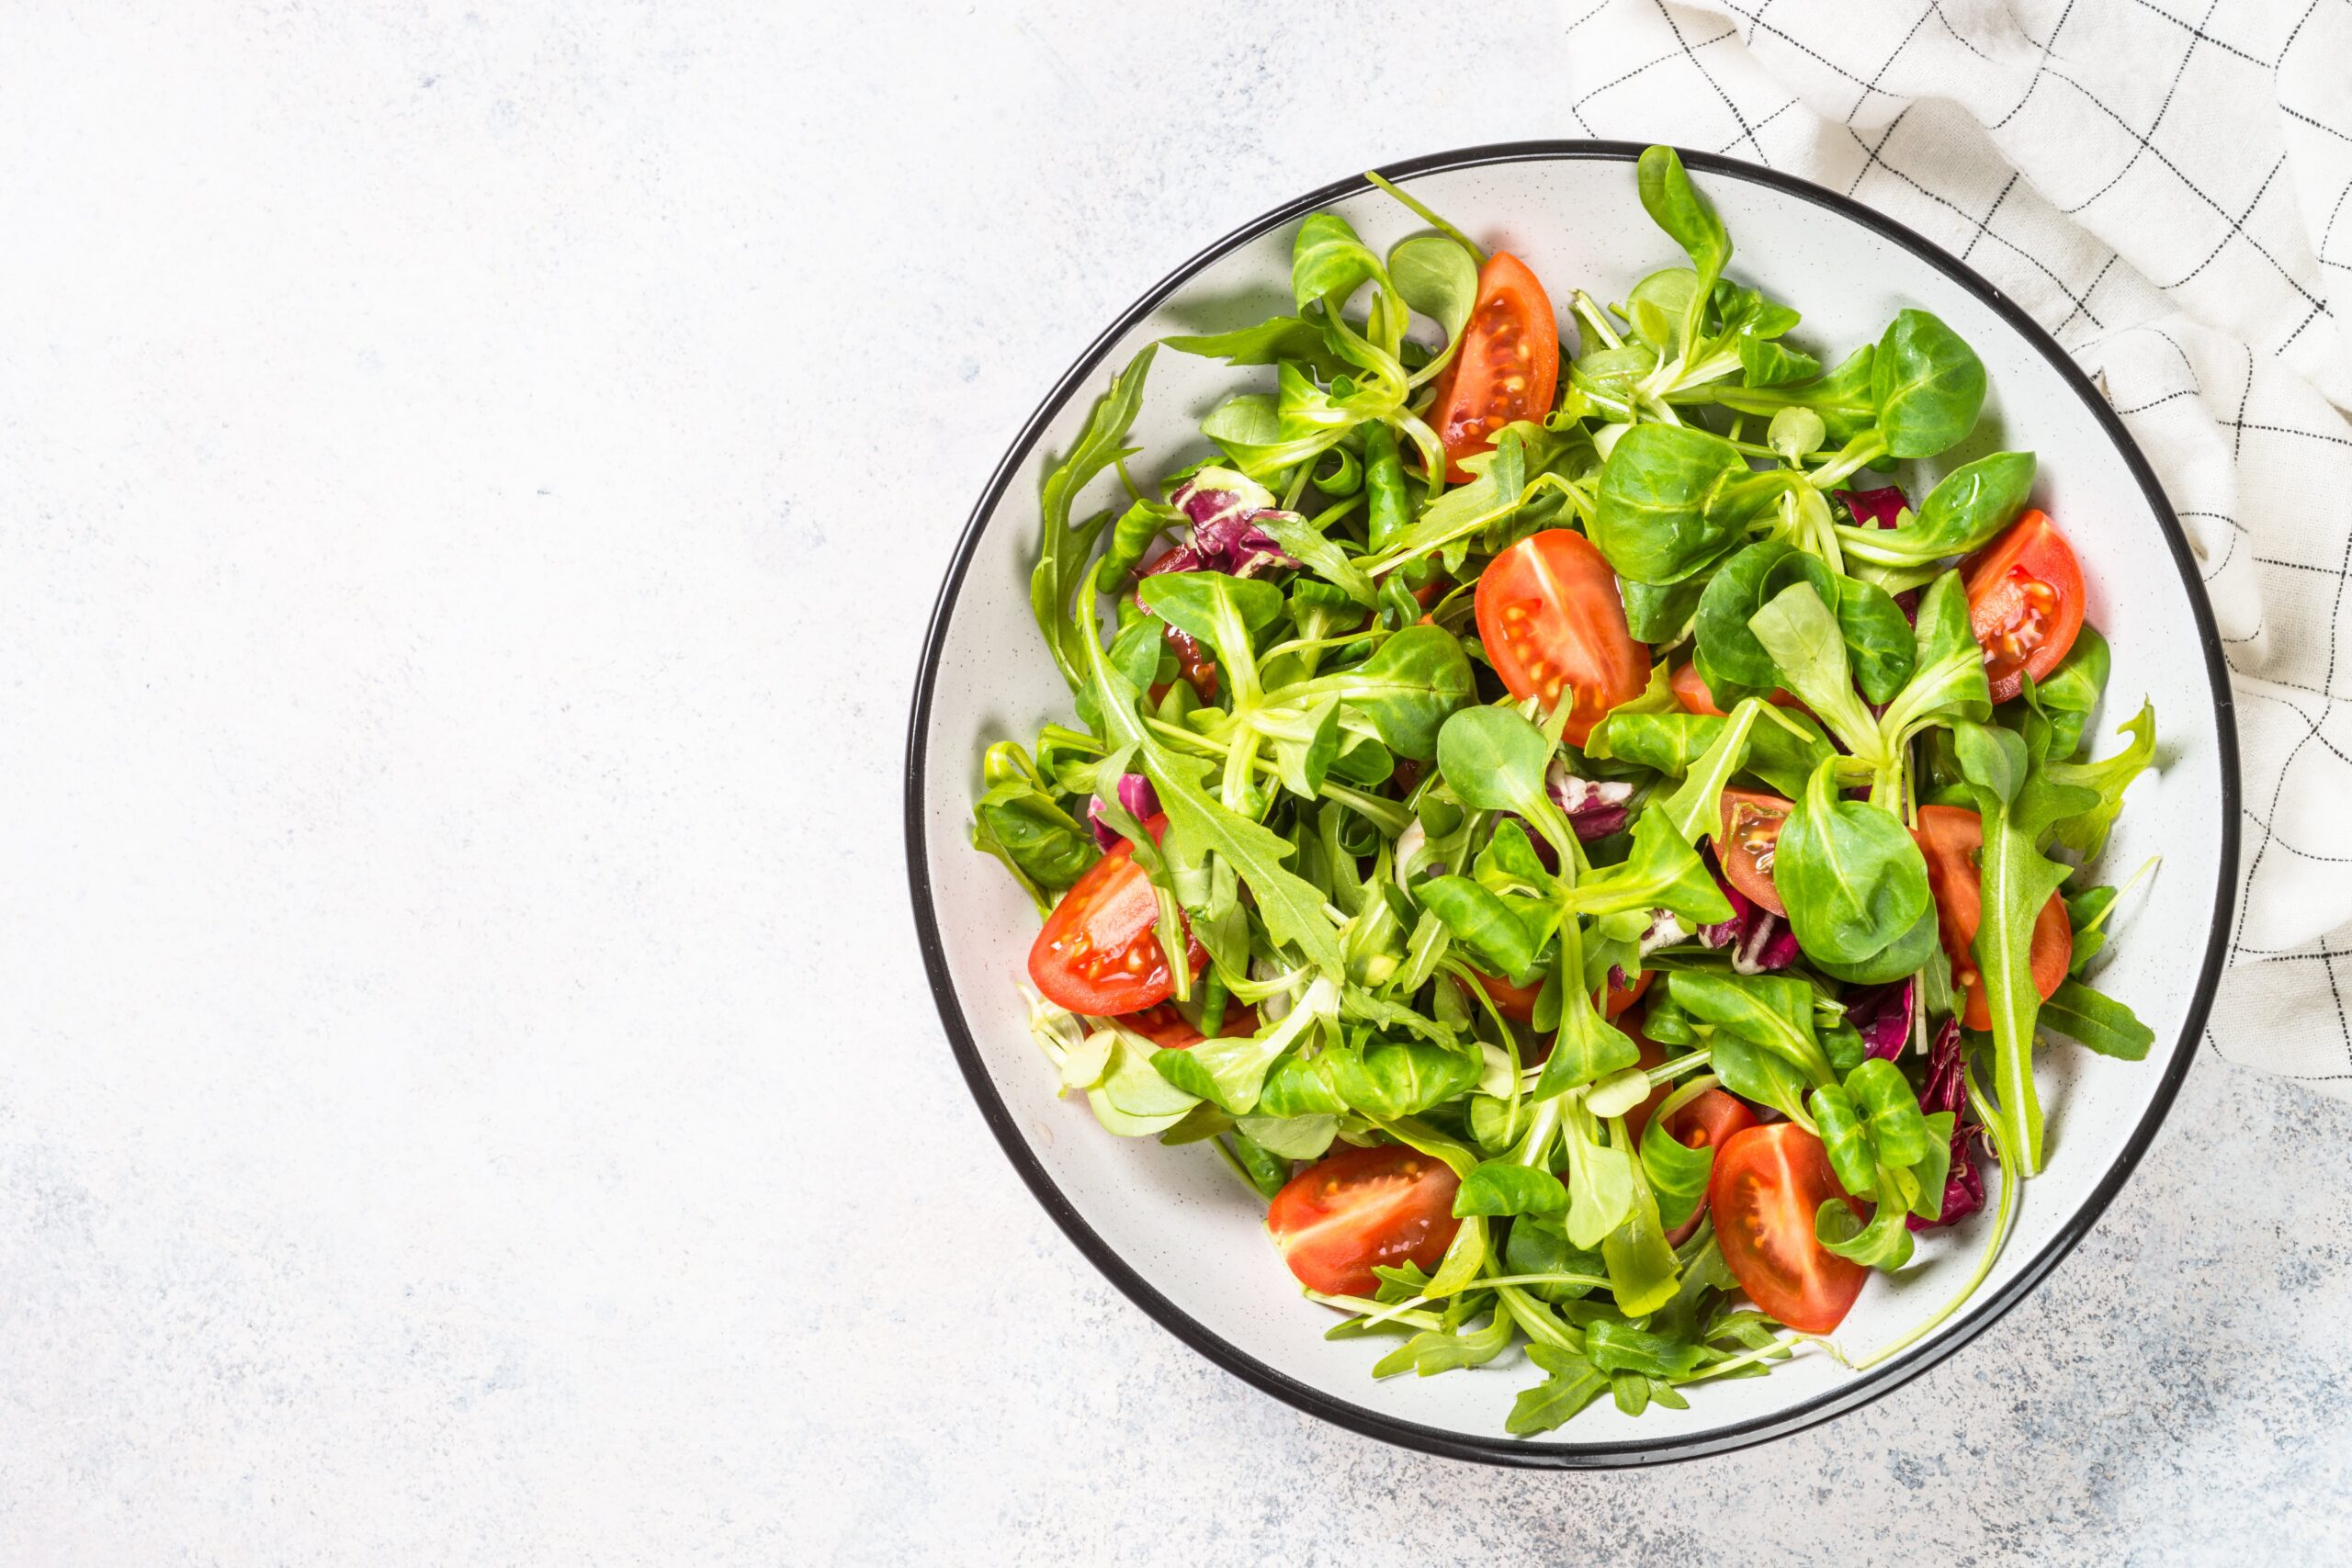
pixel 2167 185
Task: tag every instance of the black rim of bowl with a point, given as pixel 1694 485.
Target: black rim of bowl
pixel 1500 1450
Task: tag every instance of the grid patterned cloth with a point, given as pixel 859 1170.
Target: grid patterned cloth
pixel 2167 185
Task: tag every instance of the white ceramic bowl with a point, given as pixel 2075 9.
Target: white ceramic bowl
pixel 1176 1232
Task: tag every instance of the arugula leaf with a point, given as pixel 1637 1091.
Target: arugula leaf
pixel 1573 1384
pixel 1664 871
pixel 1231 1072
pixel 2085 833
pixel 2018 803
pixel 2073 690
pixel 1199 826
pixel 1271 341
pixel 1433 1351
pixel 2096 1021
pixel 1616 1347
pixel 1404 693
pixel 1061 559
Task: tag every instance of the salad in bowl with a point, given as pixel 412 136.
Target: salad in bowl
pixel 1586 833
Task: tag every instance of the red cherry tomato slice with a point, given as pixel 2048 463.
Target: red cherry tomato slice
pixel 1949 838
pixel 1767 1184
pixel 1518 1002
pixel 1098 953
pixel 1711 1121
pixel 1336 1219
pixel 1507 368
pixel 1752 823
pixel 1553 626
pixel 2025 603
pixel 1690 689
pixel 1707 1123
pixel 1167 1028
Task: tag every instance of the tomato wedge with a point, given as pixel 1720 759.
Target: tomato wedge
pixel 1098 953
pixel 2025 603
pixel 1752 823
pixel 1690 689
pixel 1336 1219
pixel 1767 1184
pixel 1507 368
pixel 1168 1029
pixel 1619 997
pixel 1551 621
pixel 1949 838
pixel 1710 1122
pixel 1518 1002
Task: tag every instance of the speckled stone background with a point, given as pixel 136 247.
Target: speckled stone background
pixel 473 483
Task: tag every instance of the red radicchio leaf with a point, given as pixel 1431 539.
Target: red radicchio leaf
pixel 1947 1089
pixel 1136 795
pixel 1875 508
pixel 1594 809
pixel 1224 534
pixel 1759 939
pixel 1880 508
pixel 1882 1015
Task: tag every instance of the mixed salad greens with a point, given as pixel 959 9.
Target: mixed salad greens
pixel 1623 858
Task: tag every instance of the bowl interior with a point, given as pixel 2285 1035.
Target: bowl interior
pixel 1182 1227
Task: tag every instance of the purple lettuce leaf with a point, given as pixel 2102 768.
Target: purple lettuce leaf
pixel 1136 795
pixel 1882 508
pixel 1222 508
pixel 1947 1089
pixel 1882 1015
pixel 1759 939
pixel 1594 809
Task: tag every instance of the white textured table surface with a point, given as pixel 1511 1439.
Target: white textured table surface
pixel 474 484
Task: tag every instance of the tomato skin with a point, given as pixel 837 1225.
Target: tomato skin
pixel 2025 603
pixel 1390 1205
pixel 1518 1002
pixel 1710 1122
pixel 1752 823
pixel 1553 623
pixel 1949 838
pixel 1619 997
pixel 1690 689
pixel 1514 1002
pixel 1166 1028
pixel 1768 1182
pixel 1098 953
pixel 1512 336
